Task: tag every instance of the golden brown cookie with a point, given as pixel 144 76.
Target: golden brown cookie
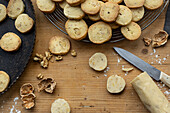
pixel 95 17
pixel 76 29
pixel 153 4
pixel 57 0
pixel 63 4
pixel 60 106
pixel 115 1
pixel 125 16
pixel 131 31
pixel 113 25
pixel 99 32
pixel 109 11
pixel 74 2
pixel 10 42
pixel 4 80
pixel 137 14
pixel 46 6
pixel 134 3
pixel 3 12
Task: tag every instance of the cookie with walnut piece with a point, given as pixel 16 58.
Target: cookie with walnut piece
pixel 46 6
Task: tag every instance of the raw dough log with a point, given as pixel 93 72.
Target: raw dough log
pixel 151 96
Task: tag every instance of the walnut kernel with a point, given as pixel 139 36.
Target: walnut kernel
pixel 58 58
pixel 73 53
pixel 40 76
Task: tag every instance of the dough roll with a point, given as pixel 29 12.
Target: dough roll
pixel 151 96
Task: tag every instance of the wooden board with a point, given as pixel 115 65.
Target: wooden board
pixel 83 88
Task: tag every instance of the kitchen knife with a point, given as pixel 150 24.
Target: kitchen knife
pixel 167 20
pixel 143 66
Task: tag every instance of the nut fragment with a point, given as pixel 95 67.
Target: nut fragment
pixel 58 58
pixel 40 76
pixel 47 84
pixel 48 55
pixel 39 55
pixel 26 89
pixel 28 101
pixel 28 105
pixel 37 59
pixel 44 63
pixel 147 41
pixel 73 53
pixel 160 39
pixel 127 69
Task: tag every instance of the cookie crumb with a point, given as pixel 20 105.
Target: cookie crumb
pixel 58 58
pixel 127 69
pixel 73 53
pixel 40 76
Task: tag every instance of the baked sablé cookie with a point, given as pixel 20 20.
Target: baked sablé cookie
pixel 137 14
pixel 113 25
pixel 109 11
pixel 57 1
pixel 115 1
pixel 98 61
pixel 59 45
pixel 4 80
pixel 63 4
pixel 10 42
pixel 3 12
pixel 60 106
pixel 73 12
pixel 134 3
pixel 76 29
pixel 131 31
pixel 15 8
pixel 153 4
pixel 125 16
pixel 46 6
pixel 90 7
pixel 74 2
pixel 99 32
pixel 24 23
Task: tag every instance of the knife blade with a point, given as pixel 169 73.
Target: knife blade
pixel 143 66
pixel 167 20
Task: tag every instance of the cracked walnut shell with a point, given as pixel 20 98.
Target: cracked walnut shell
pixel 28 100
pixel 26 89
pixel 147 41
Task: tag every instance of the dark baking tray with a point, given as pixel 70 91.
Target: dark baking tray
pixel 14 63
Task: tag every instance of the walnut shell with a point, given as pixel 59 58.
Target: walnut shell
pixel 28 100
pixel 26 89
pixel 28 105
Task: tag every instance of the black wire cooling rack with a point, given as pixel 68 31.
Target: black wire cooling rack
pixel 58 19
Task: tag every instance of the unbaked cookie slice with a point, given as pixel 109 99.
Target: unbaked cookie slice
pixel 4 80
pixel 73 12
pixel 60 106
pixel 24 23
pixel 134 3
pixel 125 16
pixel 10 42
pixel 109 11
pixel 46 6
pixel 115 84
pixel 116 1
pixel 137 14
pixel 2 12
pixel 98 61
pixel 76 29
pixel 59 45
pixel 15 8
pixel 153 4
pixel 131 31
pixel 90 7
pixel 74 2
pixel 99 32
pixel 63 4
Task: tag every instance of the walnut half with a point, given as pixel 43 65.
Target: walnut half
pixel 147 41
pixel 28 101
pixel 26 89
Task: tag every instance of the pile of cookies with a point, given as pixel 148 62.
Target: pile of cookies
pixel 108 15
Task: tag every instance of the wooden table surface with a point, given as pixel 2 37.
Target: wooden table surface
pixel 83 88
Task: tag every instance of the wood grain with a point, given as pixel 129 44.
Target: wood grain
pixel 82 87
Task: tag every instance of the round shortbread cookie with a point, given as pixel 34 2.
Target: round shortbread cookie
pixel 131 31
pixel 60 106
pixel 109 11
pixel 10 42
pixel 116 1
pixel 63 4
pixel 57 1
pixel 73 12
pixel 99 32
pixel 74 2
pixel 95 17
pixel 137 14
pixel 113 25
pixel 115 84
pixel 153 4
pixel 125 16
pixel 2 12
pixel 76 29
pixel 90 7
pixel 15 8
pixel 134 3
pixel 59 45
pixel 4 80
pixel 98 61
pixel 46 6
pixel 24 23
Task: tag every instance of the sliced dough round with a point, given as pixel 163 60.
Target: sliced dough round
pixel 109 11
pixel 73 12
pixel 46 6
pixel 63 4
pixel 60 106
pixel 90 7
pixel 76 29
pixel 115 84
pixel 99 32
pixel 131 31
pixel 98 61
pixel 153 4
pixel 15 8
pixel 134 3
pixel 4 80
pixel 137 14
pixel 114 25
pixel 10 42
pixel 2 12
pixel 116 1
pixel 74 2
pixel 59 45
pixel 125 16
pixel 24 23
